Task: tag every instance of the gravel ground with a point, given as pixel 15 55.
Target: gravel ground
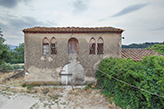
pixel 14 96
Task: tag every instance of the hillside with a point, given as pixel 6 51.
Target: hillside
pixel 12 47
pixel 143 45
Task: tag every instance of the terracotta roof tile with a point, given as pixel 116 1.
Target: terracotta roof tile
pixel 137 54
pixel 73 30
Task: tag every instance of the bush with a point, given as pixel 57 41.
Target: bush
pixel 17 67
pixel 6 66
pixel 158 48
pixel 22 66
pixel 147 74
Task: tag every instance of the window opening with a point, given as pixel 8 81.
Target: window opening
pixel 92 46
pixel 45 46
pixel 53 46
pixel 100 46
pixel 73 46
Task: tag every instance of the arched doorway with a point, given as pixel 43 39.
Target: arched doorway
pixel 73 46
pixel 72 73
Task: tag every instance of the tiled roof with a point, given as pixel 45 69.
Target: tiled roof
pixel 137 54
pixel 73 30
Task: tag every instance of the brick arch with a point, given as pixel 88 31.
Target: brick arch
pixel 45 40
pixel 53 40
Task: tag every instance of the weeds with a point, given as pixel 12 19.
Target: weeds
pixel 45 91
pixel 90 86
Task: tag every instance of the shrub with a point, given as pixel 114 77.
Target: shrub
pixel 7 66
pixel 158 48
pixel 22 66
pixel 147 74
pixel 17 67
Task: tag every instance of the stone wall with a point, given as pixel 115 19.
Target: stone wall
pixel 41 68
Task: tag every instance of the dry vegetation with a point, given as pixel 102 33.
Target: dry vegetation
pixel 12 82
pixel 57 96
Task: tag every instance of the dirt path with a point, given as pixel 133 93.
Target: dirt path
pixel 53 98
pixel 14 96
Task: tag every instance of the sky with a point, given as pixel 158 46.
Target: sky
pixel 142 20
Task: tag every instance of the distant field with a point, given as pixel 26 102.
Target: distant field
pixel 18 64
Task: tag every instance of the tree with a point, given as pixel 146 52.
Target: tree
pixel 4 54
pixel 158 48
pixel 1 32
pixel 17 56
pixel 20 52
pixel 143 45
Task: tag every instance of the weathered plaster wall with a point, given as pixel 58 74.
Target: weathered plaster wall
pixel 46 68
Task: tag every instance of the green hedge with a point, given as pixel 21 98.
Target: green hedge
pixel 147 74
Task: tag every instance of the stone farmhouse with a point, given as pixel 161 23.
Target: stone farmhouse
pixel 68 55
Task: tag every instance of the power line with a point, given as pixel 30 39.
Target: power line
pixel 122 81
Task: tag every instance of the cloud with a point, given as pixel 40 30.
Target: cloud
pixel 8 3
pixel 11 26
pixel 127 10
pixel 157 29
pixel 80 6
pixel 26 21
pixel 130 9
pixel 103 19
pixel 14 25
pixel 11 3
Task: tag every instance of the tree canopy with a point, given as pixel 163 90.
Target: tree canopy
pixel 17 56
pixel 158 48
pixel 4 54
pixel 143 45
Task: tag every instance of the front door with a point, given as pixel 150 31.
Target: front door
pixel 72 73
pixel 65 75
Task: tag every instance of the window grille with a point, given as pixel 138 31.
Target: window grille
pixel 100 46
pixel 45 46
pixel 53 46
pixel 92 46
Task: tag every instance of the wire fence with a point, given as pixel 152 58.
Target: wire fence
pixel 121 80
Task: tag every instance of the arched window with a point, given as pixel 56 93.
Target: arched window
pixel 45 46
pixel 100 46
pixel 53 46
pixel 73 46
pixel 92 45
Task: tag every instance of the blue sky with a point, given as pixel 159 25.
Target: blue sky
pixel 142 20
